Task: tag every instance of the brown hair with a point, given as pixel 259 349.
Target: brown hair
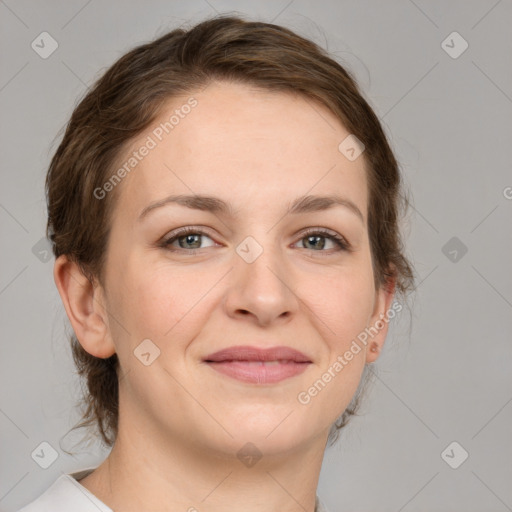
pixel 128 97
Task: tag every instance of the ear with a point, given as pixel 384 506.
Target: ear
pixel 379 321
pixel 85 306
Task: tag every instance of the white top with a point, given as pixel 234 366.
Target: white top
pixel 66 495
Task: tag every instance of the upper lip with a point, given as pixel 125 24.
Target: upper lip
pixel 251 353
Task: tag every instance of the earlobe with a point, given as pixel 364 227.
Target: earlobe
pixel 84 304
pixel 379 320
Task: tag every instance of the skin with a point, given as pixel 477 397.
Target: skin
pixel 181 423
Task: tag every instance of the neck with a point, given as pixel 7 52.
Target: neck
pixel 151 471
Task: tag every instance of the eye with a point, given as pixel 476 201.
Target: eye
pixel 316 239
pixel 188 239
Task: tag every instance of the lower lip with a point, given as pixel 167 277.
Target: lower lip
pixel 258 373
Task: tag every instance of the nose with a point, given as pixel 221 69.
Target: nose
pixel 261 291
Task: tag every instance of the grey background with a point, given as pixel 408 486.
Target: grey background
pixel 448 119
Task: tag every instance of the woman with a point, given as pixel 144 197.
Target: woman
pixel 224 213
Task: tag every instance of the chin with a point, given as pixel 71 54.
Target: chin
pixel 269 434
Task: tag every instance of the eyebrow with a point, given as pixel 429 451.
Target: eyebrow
pixel 301 205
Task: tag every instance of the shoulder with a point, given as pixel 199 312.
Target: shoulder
pixel 63 495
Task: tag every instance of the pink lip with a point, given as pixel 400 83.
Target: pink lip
pixel 250 364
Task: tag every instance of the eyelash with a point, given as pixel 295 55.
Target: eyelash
pixel 340 241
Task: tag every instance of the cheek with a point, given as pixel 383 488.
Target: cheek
pixel 158 303
pixel 343 306
pixel 344 302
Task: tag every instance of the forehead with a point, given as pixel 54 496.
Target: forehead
pixel 235 141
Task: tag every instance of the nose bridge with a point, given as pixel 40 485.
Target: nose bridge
pixel 259 279
pixel 260 264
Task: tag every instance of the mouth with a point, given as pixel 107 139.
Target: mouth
pixel 258 366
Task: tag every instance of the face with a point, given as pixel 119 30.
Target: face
pixel 256 273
